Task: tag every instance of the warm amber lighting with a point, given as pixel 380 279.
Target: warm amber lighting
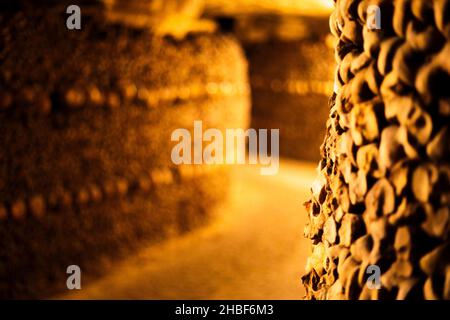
pixel 303 7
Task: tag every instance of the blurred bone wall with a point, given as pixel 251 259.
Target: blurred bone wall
pixel 291 66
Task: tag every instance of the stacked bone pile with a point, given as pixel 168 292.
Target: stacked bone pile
pixel 291 74
pixel 383 193
pixel 86 175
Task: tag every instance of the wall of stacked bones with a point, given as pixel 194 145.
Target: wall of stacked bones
pixel 86 117
pixel 383 193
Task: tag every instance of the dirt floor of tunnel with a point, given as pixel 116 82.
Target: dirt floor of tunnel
pixel 252 249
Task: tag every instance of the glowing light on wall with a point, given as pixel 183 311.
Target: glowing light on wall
pixel 303 7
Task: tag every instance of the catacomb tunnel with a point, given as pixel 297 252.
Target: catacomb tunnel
pixel 209 149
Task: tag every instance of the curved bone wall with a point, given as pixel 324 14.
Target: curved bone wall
pixel 86 117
